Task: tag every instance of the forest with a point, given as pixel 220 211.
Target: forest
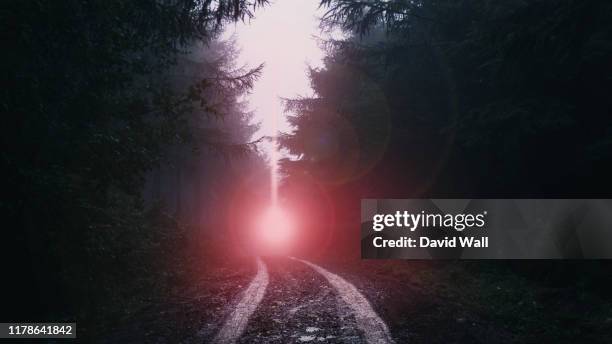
pixel 113 108
pixel 128 142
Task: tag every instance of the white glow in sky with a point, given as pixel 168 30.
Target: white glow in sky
pixel 282 36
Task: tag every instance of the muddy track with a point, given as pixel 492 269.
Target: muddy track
pixel 300 306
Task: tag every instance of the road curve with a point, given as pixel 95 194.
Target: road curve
pixel 237 321
pixel 374 329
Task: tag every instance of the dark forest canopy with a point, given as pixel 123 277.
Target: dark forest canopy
pixel 95 102
pixel 460 99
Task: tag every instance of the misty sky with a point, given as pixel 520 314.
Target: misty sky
pixel 281 36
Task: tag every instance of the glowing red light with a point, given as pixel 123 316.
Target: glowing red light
pixel 275 230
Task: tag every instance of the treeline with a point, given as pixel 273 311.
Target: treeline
pixel 459 99
pixel 98 96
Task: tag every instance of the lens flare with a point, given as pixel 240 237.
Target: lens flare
pixel 276 230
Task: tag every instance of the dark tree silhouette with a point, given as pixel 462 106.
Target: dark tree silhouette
pixel 463 99
pixel 92 104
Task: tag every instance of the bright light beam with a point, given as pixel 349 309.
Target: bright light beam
pixel 276 230
pixel 286 59
pixel 274 164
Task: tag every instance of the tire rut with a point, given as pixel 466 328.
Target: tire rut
pixel 300 307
